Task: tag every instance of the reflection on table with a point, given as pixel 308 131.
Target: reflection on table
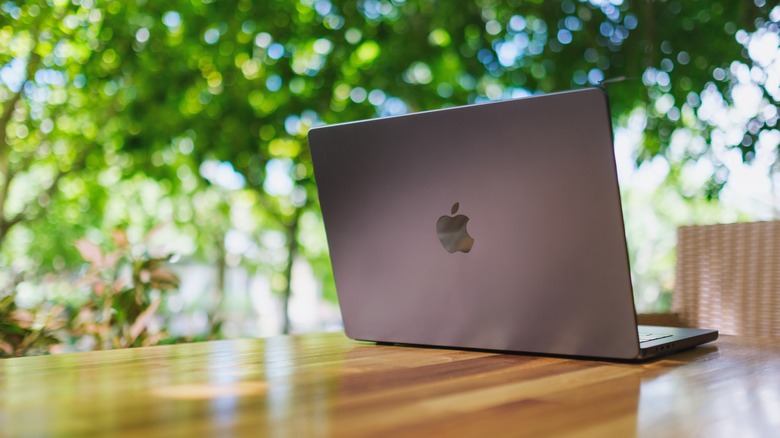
pixel 326 384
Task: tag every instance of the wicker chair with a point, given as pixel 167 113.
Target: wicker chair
pixel 728 278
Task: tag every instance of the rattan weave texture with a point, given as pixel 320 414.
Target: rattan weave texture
pixel 728 277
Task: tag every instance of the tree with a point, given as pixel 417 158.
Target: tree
pixel 56 134
pixel 155 87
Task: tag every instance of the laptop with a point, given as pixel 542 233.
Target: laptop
pixel 494 226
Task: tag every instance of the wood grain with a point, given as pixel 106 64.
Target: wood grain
pixel 327 385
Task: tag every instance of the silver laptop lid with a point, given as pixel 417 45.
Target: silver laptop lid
pixel 532 181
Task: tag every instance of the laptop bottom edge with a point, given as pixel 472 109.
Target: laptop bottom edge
pixel 680 339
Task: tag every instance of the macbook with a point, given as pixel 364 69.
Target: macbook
pixel 493 226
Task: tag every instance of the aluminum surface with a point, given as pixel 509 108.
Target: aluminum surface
pixel 548 270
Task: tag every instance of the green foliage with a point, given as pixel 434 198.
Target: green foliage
pixel 25 331
pixel 113 110
pixel 126 285
pixel 123 301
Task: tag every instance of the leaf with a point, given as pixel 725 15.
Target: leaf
pixel 23 318
pixel 6 303
pixel 6 348
pixel 455 207
pixel 121 283
pixel 99 288
pixel 164 277
pixel 142 321
pixel 89 251
pixel 110 260
pixel 153 340
pixel 154 231
pixel 120 238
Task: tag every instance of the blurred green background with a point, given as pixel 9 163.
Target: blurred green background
pixel 155 180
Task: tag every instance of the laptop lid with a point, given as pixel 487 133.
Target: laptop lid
pixel 532 181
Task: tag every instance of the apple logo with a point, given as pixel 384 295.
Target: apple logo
pixel 452 232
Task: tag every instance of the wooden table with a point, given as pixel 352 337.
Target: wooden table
pixel 327 385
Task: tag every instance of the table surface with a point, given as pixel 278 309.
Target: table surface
pixel 328 385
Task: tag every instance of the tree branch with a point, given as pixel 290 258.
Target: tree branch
pixel 5 169
pixel 10 174
pixel 5 119
pixel 26 214
pixel 292 252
